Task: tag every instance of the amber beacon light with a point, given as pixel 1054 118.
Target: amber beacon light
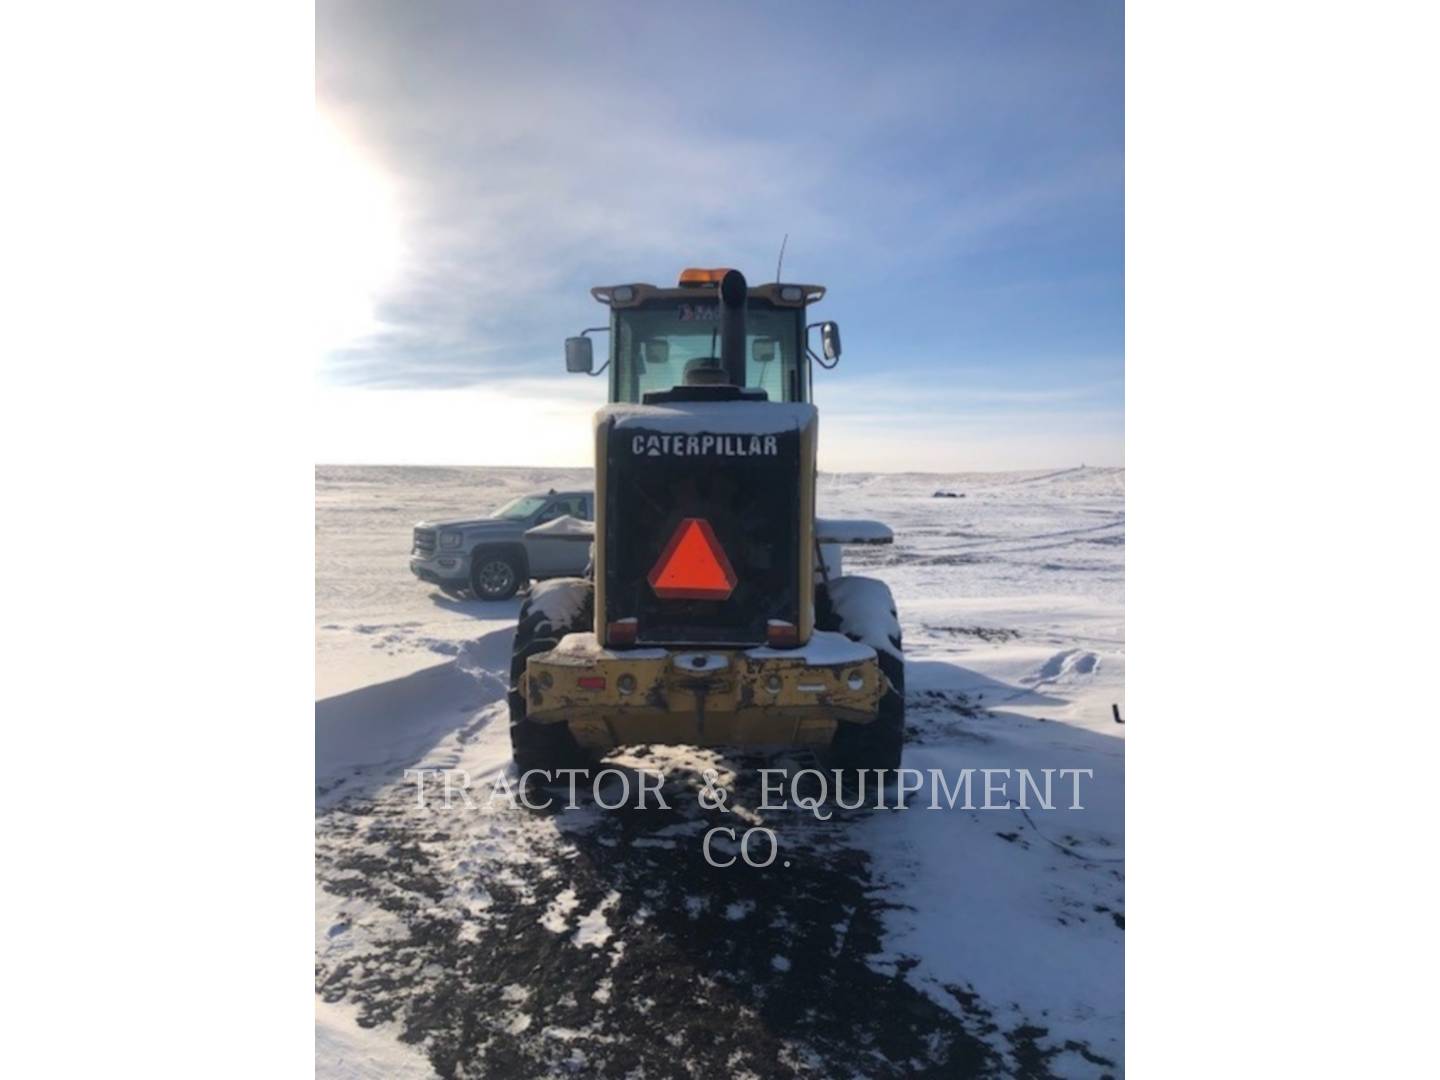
pixel 696 276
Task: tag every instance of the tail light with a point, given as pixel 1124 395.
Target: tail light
pixel 591 682
pixel 780 634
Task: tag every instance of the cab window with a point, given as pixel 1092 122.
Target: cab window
pixel 572 505
pixel 654 344
pixel 520 509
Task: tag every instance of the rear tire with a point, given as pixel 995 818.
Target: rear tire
pixel 554 608
pixel 494 575
pixel 853 606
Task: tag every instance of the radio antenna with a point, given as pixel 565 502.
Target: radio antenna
pixel 781 261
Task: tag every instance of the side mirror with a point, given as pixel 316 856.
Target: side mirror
pixel 762 350
pixel 579 355
pixel 830 340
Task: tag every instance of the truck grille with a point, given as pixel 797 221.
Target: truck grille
pixel 425 542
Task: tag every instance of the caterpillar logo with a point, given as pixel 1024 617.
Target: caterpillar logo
pixel 702 445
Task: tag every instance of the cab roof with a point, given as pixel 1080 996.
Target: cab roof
pixel 634 294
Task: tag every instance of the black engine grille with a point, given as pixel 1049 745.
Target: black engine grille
pixel 751 503
pixel 424 542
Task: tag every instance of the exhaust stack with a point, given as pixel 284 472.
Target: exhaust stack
pixel 733 293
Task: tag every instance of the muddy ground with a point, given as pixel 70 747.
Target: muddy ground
pixel 610 947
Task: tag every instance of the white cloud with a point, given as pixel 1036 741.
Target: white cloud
pixel 534 150
pixel 356 246
pixel 502 426
pixel 532 422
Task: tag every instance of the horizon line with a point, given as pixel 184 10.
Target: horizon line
pixel 1049 470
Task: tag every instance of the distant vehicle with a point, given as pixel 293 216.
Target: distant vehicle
pixel 492 557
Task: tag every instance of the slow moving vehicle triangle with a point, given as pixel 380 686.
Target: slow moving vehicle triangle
pixel 693 565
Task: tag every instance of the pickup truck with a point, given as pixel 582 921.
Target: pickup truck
pixel 492 557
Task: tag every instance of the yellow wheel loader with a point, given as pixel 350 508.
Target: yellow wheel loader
pixel 715 611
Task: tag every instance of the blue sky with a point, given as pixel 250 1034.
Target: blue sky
pixel 954 173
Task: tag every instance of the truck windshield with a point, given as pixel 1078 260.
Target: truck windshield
pixel 654 343
pixel 521 508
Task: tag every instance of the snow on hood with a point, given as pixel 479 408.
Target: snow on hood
pixel 712 417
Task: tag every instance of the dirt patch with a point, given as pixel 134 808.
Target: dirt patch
pixel 604 943
pixel 942 716
pixel 993 634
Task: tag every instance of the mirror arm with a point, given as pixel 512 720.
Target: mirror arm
pixel 828 365
pixel 597 330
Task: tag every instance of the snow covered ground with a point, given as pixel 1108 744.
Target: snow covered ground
pixel 498 941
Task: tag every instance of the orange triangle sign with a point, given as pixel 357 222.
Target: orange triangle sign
pixel 693 565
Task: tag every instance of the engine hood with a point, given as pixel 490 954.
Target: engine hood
pixel 474 525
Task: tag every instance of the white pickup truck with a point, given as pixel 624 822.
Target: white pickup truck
pixel 491 557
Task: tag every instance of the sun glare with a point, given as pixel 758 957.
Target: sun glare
pixel 356 237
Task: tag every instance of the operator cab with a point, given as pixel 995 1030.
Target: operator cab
pixel 664 340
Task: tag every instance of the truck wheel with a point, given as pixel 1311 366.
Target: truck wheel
pixel 494 575
pixel 863 610
pixel 553 609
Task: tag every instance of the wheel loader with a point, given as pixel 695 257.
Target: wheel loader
pixel 715 611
